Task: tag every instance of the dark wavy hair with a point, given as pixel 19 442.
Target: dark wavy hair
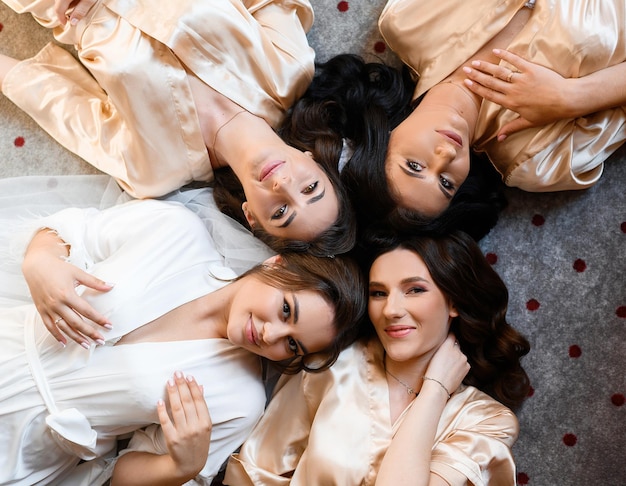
pixel 339 280
pixel 459 269
pixel 365 102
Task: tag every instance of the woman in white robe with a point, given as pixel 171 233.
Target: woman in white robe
pixel 60 404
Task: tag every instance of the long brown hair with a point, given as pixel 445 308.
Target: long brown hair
pixel 460 270
pixel 339 281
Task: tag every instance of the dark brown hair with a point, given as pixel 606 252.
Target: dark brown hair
pixel 460 270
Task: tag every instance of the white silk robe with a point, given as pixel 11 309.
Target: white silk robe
pixel 333 429
pixel 571 37
pixel 135 119
pixel 59 405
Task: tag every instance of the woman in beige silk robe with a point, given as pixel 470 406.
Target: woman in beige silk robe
pixel 546 125
pixel 394 403
pixel 170 91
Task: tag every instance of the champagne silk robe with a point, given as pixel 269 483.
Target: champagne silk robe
pixel 571 37
pixel 333 428
pixel 135 119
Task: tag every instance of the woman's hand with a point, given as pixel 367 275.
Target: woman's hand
pixel 79 10
pixel 188 432
pixel 52 282
pixel 448 365
pixel 538 94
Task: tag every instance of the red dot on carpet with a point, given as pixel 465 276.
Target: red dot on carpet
pixel 621 311
pixel 492 258
pixel 522 478
pixel 531 391
pixel 580 265
pixel 538 220
pixel 19 142
pixel 1 27
pixel 343 6
pixel 618 399
pixel 532 305
pixel 569 440
pixel 380 47
pixel 575 351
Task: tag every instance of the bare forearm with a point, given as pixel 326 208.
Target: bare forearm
pixel 142 468
pixel 598 91
pixel 407 460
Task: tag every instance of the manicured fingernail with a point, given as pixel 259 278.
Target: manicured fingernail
pixel 468 83
pixel 170 382
pixel 496 51
pixel 476 63
pixel 74 21
pixel 501 138
pixel 467 70
pixel 109 284
pixel 190 378
pixel 160 402
pixel 61 343
pixel 85 345
pixel 107 326
pixel 178 374
pixel 100 342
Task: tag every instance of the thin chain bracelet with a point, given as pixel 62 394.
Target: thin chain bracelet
pixel 440 384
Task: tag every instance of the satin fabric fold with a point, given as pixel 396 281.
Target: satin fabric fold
pixel 127 108
pixel 333 428
pixel 572 37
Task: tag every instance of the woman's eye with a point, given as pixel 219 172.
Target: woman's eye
pixel 415 166
pixel 447 184
pixel 286 310
pixel 293 345
pixel 377 293
pixel 310 188
pixel 415 290
pixel 280 212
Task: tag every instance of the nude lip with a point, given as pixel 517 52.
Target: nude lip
pixel 452 136
pixel 398 331
pixel 270 168
pixel 250 334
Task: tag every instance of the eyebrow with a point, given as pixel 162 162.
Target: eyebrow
pixel 403 281
pixel 314 199
pixel 417 175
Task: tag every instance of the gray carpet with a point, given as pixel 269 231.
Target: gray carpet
pixel 562 255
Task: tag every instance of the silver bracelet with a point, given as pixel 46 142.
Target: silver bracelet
pixel 440 384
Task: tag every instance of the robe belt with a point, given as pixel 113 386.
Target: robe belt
pixel 69 428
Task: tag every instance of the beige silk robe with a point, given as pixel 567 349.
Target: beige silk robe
pixel 135 119
pixel 333 428
pixel 571 37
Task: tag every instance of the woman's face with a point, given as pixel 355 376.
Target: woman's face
pixel 428 159
pixel 409 312
pixel 279 324
pixel 289 195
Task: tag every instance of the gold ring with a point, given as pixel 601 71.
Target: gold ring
pixel 510 76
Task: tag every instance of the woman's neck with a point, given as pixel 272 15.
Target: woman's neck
pixel 452 94
pixel 241 140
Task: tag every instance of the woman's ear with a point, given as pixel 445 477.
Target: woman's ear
pixel 276 259
pixel 453 312
pixel 309 153
pixel 248 214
